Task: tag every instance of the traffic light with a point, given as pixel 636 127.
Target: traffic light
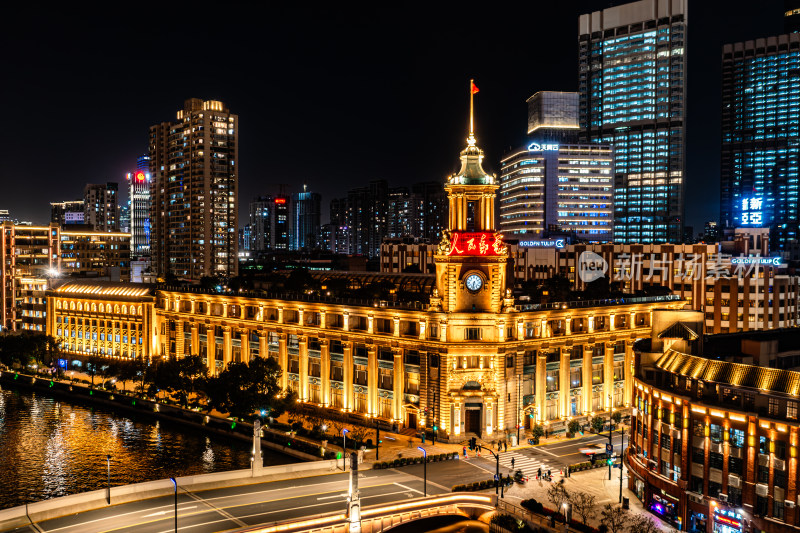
pixel 435 428
pixel 610 460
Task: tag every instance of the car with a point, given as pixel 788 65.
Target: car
pixel 592 449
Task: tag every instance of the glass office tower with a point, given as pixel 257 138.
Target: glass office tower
pixel 761 136
pixel 632 77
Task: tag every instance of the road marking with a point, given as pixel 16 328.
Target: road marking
pixel 549 453
pixel 409 488
pixel 172 511
pixel 222 511
pixel 332 497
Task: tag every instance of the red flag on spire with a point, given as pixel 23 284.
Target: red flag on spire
pixel 474 87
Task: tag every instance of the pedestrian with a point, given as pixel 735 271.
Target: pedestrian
pixel 567 470
pixel 549 475
pixel 539 475
pixel 512 463
pixel 465 452
pixel 505 445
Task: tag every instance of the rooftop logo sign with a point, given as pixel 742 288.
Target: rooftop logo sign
pixel 545 147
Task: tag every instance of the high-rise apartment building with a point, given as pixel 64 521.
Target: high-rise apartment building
pixel 66 213
pixel 549 188
pixel 193 165
pixel 761 137
pixel 270 223
pixel 553 116
pixel 632 77
pixel 791 16
pixel 101 206
pixel 306 220
pixel 139 194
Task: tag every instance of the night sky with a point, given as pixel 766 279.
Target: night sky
pixel 333 97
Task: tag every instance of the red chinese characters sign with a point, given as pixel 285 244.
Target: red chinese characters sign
pixel 479 243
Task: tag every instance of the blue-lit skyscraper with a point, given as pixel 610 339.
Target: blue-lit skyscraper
pixel 761 136
pixel 632 95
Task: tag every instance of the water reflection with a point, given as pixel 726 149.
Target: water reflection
pixel 49 448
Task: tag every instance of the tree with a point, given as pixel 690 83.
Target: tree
pixel 557 494
pixel 597 424
pixel 193 373
pixel 126 370
pixel 640 523
pixel 616 416
pixel 537 431
pixel 614 518
pixel 584 505
pixel 574 426
pixel 93 365
pixel 244 388
pixel 358 434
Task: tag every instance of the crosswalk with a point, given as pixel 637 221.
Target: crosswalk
pixel 529 465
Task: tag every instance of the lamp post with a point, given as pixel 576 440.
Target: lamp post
pixel 566 521
pixel 108 490
pixel 621 463
pixel 424 470
pixel 344 449
pixel 175 482
pixel 497 473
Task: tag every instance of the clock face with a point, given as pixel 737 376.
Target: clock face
pixel 474 282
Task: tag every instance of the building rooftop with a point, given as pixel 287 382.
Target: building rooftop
pixel 104 288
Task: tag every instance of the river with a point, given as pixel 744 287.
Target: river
pixel 50 448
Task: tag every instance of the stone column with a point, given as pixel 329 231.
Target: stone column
pixel 423 326
pixel 179 340
pixel 520 329
pixel 244 338
pixel 544 328
pixel 633 320
pixel 372 380
pixel 322 319
pixel 590 329
pixel 489 415
pixel 627 366
pixel 225 309
pixel 211 350
pixel 226 346
pixel 443 331
pixel 303 371
pixel 564 384
pixel 192 304
pixel 283 360
pixel 348 375
pixel 611 326
pixel 370 324
pixel 608 374
pixel 396 326
pixel 195 349
pixel 260 315
pixel 208 307
pixel 587 378
pixel 568 325
pixel 325 371
pixel 280 315
pixel 398 385
pixel 541 386
pixel 263 349
pixel 345 321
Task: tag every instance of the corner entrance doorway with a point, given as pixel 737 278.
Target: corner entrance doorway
pixel 472 420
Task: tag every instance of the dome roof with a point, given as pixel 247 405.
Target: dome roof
pixel 471 172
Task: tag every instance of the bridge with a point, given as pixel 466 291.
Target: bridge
pixel 378 518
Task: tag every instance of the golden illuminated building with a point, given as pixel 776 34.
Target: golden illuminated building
pixel 471 361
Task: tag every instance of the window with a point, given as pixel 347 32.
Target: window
pixel 665 440
pixel 763 445
pixel 411 383
pixel 779 478
pixel 716 433
pixel 597 374
pixel 715 460
pixel 619 370
pixel 552 382
pixel 698 455
pixel 780 449
pixel 762 474
pixel 696 484
pixel 737 438
pixel 385 380
pixel 735 465
pixel 791 410
pixel 509 361
pixel 472 334
pixel 698 428
pixel 734 496
pixel 713 489
pixel 777 509
pixel 575 377
pixel 773 407
pixel 360 374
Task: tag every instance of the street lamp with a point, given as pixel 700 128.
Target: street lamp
pixel 344 449
pixel 175 482
pixel 108 490
pixel 564 506
pixel 424 469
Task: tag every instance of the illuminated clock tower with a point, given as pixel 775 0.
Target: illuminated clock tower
pixel 471 259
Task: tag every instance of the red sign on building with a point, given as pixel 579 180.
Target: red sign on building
pixel 477 243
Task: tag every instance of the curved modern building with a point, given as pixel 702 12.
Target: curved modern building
pixel 714 438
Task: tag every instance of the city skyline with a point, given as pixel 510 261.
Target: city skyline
pixel 409 90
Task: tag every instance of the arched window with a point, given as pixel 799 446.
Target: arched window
pixel 133 309
pixel 116 309
pixel 124 309
pixel 139 310
pixel 102 308
pixel 80 306
pixel 58 304
pixel 72 306
pixel 94 307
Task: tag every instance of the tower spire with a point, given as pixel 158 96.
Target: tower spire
pixel 472 90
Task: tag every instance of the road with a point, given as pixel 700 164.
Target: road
pixel 553 457
pixel 234 507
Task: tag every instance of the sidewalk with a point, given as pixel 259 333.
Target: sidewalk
pixel 593 482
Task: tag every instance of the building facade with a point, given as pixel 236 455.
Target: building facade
pixel 553 117
pixel 64 213
pixel 469 362
pixel 307 211
pixel 194 204
pixel 714 437
pixel 761 137
pixel 551 188
pixel 101 206
pixel 32 257
pixel 632 79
